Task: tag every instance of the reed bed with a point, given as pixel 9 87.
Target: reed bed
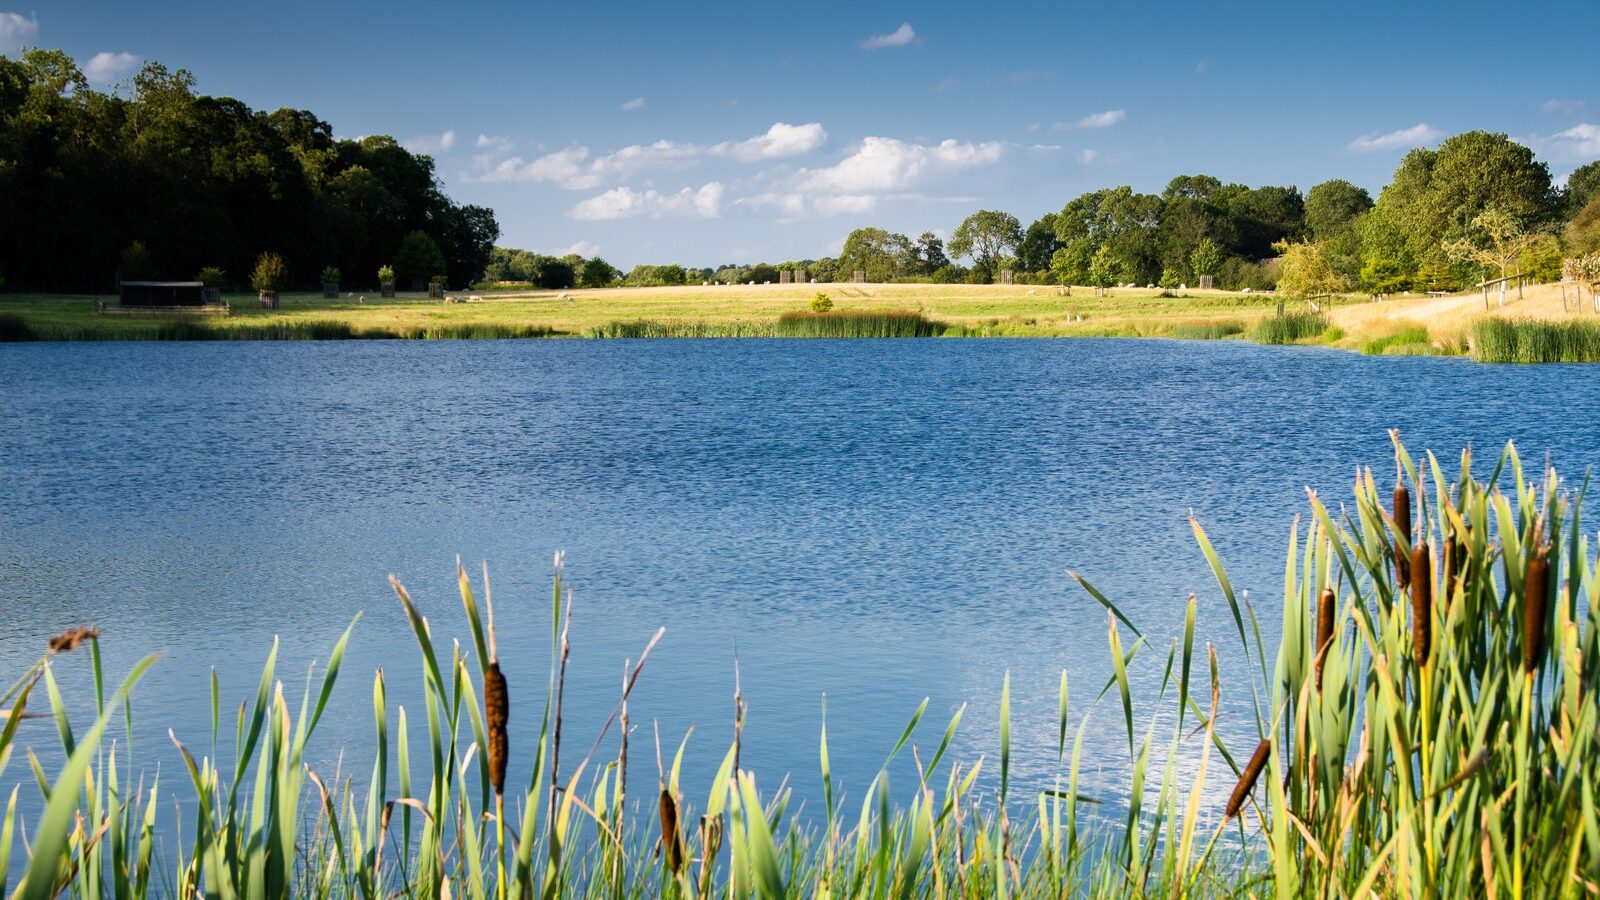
pixel 183 330
pixel 1425 738
pixel 660 328
pixel 1206 331
pixel 1290 327
pixel 1407 340
pixel 14 328
pixel 858 323
pixel 1533 341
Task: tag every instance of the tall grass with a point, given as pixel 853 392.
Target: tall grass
pixel 1534 341
pixel 662 328
pixel 1206 331
pixel 1436 741
pixel 858 323
pixel 1407 340
pixel 186 330
pixel 14 328
pixel 1290 327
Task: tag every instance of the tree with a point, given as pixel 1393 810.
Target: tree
pixel 930 253
pixel 1206 258
pixel 466 239
pixel 883 255
pixel 1103 267
pixel 985 236
pixel 1583 232
pixel 1583 186
pixel 1496 241
pixel 553 274
pixel 1038 244
pixel 1333 207
pixel 597 272
pixel 270 273
pixel 418 259
pixel 1304 270
pixel 761 273
pixel 1120 219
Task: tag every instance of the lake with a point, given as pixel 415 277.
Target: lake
pixel 874 521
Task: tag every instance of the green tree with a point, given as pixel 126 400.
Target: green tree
pixel 596 272
pixel 1304 270
pixel 1583 232
pixel 270 274
pixel 1495 242
pixel 1333 207
pixel 883 255
pixel 418 258
pixel 554 274
pixel 1583 186
pixel 1038 244
pixel 761 273
pixel 1104 267
pixel 1206 258
pixel 930 253
pixel 985 236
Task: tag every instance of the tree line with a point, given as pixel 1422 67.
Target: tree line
pixel 96 187
pixel 1480 205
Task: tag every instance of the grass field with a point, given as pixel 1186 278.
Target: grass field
pixel 1399 325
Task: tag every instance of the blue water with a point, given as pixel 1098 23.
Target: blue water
pixel 877 522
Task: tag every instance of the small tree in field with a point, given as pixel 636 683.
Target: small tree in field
pixel 1305 270
pixel 821 303
pixel 1103 268
pixel 1206 258
pixel 270 274
pixel 1497 242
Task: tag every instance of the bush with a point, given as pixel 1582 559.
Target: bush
pixel 821 303
pixel 330 275
pixel 212 277
pixel 136 264
pixel 271 273
pixel 386 274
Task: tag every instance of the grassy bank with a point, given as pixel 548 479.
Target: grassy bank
pixel 1427 727
pixel 1534 341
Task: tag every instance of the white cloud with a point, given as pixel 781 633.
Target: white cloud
pixel 781 140
pixel 16 31
pixel 626 203
pixel 845 204
pixel 1097 120
pixel 899 37
pixel 1402 139
pixel 105 68
pixel 493 143
pixel 635 103
pixel 574 169
pixel 581 248
pixel 431 143
pixel 1556 105
pixel 883 164
pixel 1088 156
pixel 1580 143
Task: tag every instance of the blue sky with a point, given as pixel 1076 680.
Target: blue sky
pixel 741 132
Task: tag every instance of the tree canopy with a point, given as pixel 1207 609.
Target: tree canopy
pixel 200 181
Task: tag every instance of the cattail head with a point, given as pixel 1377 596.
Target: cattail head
pixel 1325 611
pixel 496 710
pixel 1421 601
pixel 671 841
pixel 1535 606
pixel 1247 781
pixel 1402 526
pixel 73 638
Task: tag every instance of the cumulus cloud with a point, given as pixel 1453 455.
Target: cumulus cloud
pixel 17 31
pixel 581 248
pixel 781 140
pixel 1402 139
pixel 1580 143
pixel 1087 156
pixel 431 143
pixel 574 168
pixel 899 37
pixel 1104 119
pixel 105 68
pixel 635 103
pixel 704 202
pixel 882 164
pixel 1557 105
pixel 493 143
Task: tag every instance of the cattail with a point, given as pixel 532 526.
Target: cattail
pixel 711 845
pixel 1452 550
pixel 671 843
pixel 1325 609
pixel 1247 781
pixel 1421 601
pixel 73 638
pixel 1535 605
pixel 496 709
pixel 1402 526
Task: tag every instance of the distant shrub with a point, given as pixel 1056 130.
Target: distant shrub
pixel 14 328
pixel 271 273
pixel 212 277
pixel 821 303
pixel 330 275
pixel 386 274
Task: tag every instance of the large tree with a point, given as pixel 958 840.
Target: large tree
pixel 883 255
pixel 1333 207
pixel 986 236
pixel 1583 185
